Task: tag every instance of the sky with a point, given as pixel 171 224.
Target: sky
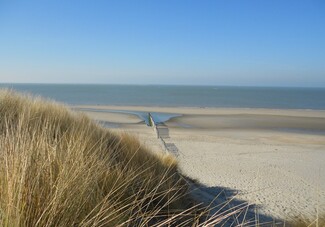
pixel 240 43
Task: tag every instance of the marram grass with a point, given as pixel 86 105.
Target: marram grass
pixel 59 168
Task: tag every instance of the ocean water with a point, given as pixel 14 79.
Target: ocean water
pixel 188 96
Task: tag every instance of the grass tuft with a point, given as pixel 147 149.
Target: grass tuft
pixel 59 168
pixel 318 221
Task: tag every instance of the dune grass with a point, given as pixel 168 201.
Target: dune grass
pixel 59 168
pixel 318 221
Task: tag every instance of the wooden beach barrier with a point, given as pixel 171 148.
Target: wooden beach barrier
pixel 168 147
pixel 152 123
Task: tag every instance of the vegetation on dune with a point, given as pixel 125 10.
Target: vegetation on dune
pixel 318 221
pixel 59 168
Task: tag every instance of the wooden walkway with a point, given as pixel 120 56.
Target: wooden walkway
pixel 162 133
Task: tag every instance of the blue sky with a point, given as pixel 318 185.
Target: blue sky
pixel 263 43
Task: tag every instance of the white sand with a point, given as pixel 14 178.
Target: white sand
pixel 272 158
pixel 287 179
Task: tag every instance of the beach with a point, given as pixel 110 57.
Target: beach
pixel 268 157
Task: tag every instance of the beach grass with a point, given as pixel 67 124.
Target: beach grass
pixel 59 168
pixel 306 221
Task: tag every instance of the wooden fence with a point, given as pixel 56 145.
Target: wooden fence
pixel 152 123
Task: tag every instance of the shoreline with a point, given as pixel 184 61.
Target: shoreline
pixel 291 121
pixel 180 109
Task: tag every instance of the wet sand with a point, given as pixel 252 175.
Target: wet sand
pixel 272 158
pixel 118 118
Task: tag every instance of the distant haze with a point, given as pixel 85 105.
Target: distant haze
pixel 250 43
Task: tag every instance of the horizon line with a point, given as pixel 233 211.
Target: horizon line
pixel 188 85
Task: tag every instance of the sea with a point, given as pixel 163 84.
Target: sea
pixel 178 96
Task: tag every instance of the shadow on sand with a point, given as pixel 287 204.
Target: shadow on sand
pixel 224 205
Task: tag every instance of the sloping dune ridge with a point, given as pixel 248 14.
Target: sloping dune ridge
pixel 59 168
